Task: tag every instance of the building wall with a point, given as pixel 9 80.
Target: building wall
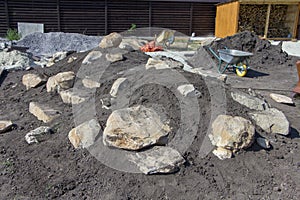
pixel 102 17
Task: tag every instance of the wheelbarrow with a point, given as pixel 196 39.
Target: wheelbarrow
pixel 235 59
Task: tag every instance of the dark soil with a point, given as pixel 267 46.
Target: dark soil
pixel 53 169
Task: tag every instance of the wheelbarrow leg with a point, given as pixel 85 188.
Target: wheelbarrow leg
pixel 220 69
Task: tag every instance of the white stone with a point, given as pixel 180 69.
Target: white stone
pixel 111 40
pixel 33 136
pixel 114 57
pixel 222 153
pixel 272 121
pixel 250 101
pixel 188 90
pixel 32 80
pixel 5 126
pixel 70 97
pixel 60 81
pixel 43 112
pixel 157 64
pixel 59 56
pixel 132 43
pixel 85 134
pixel 134 128
pixel 281 98
pixel 88 83
pixel 159 159
pixel 232 133
pixel 92 56
pixel 118 85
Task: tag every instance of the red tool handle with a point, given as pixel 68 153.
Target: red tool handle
pixel 297 88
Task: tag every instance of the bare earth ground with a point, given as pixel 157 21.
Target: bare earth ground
pixel 54 169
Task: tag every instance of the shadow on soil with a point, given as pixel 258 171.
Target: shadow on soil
pixel 253 74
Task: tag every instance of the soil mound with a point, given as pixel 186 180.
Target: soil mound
pixel 265 54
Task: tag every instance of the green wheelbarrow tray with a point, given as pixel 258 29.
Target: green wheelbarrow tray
pixel 233 58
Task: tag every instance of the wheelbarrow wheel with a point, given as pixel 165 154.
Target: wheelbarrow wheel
pixel 241 70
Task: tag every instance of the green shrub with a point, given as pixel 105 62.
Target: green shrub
pixel 12 34
pixel 133 27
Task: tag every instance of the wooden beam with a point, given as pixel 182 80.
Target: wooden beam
pixel 295 28
pixel 58 15
pixel 6 14
pixel 267 21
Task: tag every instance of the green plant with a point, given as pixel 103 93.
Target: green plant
pixel 12 34
pixel 133 27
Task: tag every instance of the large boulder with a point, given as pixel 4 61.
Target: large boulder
pixel 60 81
pixel 271 121
pixel 232 133
pixel 43 112
pixel 84 135
pixel 111 40
pixel 5 126
pixel 249 101
pixel 159 159
pixel 135 128
pixel 32 80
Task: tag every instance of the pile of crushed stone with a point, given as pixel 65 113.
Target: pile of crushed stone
pixel 14 59
pixel 265 54
pixel 46 44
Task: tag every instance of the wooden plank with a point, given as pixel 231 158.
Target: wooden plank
pixel 267 21
pixel 295 28
pixel 227 19
pixel 269 1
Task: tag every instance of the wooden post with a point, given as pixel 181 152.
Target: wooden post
pixel 191 18
pixel 106 18
pixel 58 15
pixel 267 21
pixel 7 14
pixel 295 28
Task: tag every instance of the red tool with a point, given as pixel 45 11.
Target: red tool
pixel 151 47
pixel 297 88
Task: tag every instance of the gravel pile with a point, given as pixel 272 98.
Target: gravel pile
pixel 14 59
pixel 265 54
pixel 46 44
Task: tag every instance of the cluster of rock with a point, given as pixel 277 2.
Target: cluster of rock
pixel 233 133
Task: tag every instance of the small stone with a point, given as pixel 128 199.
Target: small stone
pixel 282 99
pixel 71 59
pixel 111 40
pixel 42 112
pixel 5 126
pixel 59 56
pixel 222 77
pixel 159 159
pixel 92 56
pixel 188 90
pixel 118 85
pixel 33 136
pixel 88 83
pixel 271 121
pixel 232 133
pixel 85 134
pixel 70 97
pixel 32 80
pixel 60 81
pixel 263 142
pixel 222 153
pixel 114 57
pixel 249 101
pixel 157 64
pixel 135 128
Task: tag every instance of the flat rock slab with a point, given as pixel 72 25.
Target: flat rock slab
pixel 114 57
pixel 134 128
pixel 84 135
pixel 61 81
pixel 71 97
pixel 249 101
pixel 188 90
pixel 34 135
pixel 88 83
pixel 271 121
pixel 159 159
pixel 43 112
pixel 282 99
pixel 118 85
pixel 5 126
pixel 157 64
